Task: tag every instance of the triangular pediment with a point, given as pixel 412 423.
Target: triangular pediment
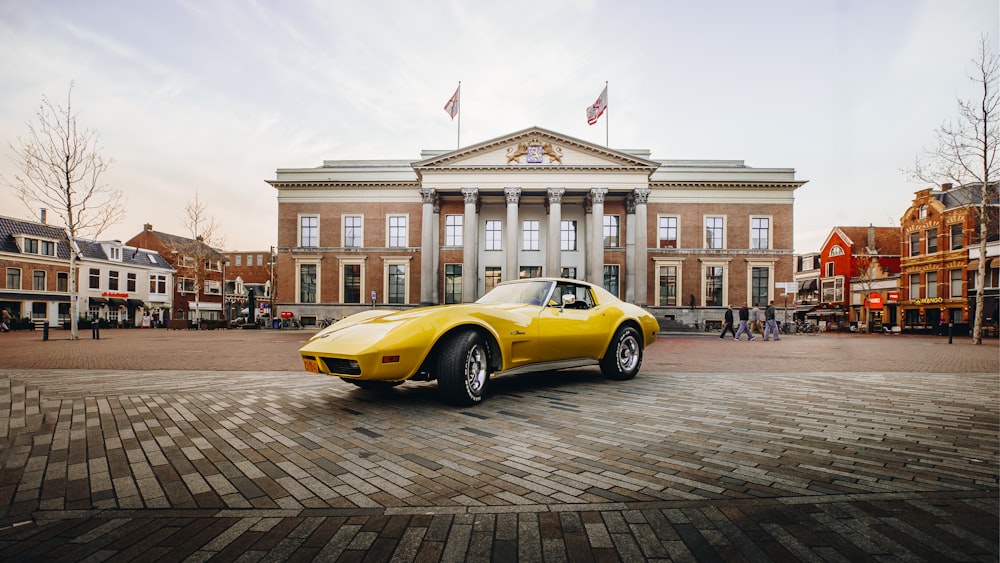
pixel 535 148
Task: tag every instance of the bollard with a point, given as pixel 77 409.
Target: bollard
pixel 95 331
pixel 951 325
pixel 45 331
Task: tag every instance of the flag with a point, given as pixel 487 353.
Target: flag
pixel 595 111
pixel 452 106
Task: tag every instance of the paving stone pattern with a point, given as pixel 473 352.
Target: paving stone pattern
pixel 717 451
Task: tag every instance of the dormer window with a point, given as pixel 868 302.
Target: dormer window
pixel 115 253
pixel 836 251
pixel 36 246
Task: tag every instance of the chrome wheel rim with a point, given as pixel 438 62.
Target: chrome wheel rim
pixel 628 353
pixel 475 370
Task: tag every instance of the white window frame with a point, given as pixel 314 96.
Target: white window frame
pixel 704 227
pixel 952 285
pixel 703 281
pixel 299 228
pixel 529 243
pixel 405 263
pixel 657 264
pixel 571 231
pixel 212 287
pixel 389 238
pixel 677 232
pixel 340 276
pixel 491 244
pixel 770 231
pixel 770 281
pixel 343 231
pixel 454 232
pixel 298 278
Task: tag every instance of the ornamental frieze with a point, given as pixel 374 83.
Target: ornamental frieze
pixel 534 151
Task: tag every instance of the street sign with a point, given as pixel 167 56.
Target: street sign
pixel 789 287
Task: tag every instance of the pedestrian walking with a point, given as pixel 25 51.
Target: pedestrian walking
pixel 770 324
pixel 744 323
pixel 5 322
pixel 728 323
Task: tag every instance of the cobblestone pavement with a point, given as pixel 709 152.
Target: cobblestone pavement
pixel 185 445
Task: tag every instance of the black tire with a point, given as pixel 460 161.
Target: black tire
pixel 463 370
pixel 624 356
pixel 374 385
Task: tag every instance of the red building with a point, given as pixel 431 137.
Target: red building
pixel 853 260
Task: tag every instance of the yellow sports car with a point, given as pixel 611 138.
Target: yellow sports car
pixel 520 326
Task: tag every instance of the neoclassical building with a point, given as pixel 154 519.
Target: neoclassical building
pixel 684 237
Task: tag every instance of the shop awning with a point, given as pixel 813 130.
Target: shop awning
pixel 823 311
pixel 97 301
pixel 116 302
pixel 808 285
pixel 135 303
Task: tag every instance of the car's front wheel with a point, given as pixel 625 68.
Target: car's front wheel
pixel 463 370
pixel 624 355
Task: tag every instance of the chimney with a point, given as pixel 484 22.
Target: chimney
pixel 147 227
pixel 43 216
pixel 945 187
pixel 871 235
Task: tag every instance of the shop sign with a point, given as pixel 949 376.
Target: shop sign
pixel 929 301
pixel 114 294
pixel 893 295
pixel 874 300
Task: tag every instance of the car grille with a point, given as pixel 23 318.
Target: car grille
pixel 342 366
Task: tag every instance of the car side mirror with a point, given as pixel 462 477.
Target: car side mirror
pixel 568 299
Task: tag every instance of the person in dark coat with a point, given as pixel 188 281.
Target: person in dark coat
pixel 744 326
pixel 728 324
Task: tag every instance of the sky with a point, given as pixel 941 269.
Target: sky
pixel 207 99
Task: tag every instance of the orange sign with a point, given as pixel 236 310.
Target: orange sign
pixel 874 300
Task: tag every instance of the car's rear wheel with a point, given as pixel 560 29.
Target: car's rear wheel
pixel 624 355
pixel 463 370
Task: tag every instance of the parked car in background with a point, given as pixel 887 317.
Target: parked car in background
pixel 520 326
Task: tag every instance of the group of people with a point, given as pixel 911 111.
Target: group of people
pixel 751 320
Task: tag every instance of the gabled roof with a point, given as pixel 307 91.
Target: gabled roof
pixel 9 227
pixel 887 239
pixel 131 255
pixel 187 245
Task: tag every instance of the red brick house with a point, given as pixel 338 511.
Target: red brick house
pixel 853 260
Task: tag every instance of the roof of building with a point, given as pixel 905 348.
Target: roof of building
pixel 131 255
pixel 9 227
pixel 965 195
pixel 887 240
pixel 186 245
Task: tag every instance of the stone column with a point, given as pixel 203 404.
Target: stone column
pixel 553 256
pixel 641 267
pixel 470 255
pixel 513 197
pixel 595 237
pixel 428 277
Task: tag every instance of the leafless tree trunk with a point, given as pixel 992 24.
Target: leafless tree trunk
pixel 966 154
pixel 61 169
pixel 205 232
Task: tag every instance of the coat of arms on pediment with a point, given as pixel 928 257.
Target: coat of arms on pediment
pixel 534 152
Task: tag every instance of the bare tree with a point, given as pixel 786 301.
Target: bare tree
pixel 966 155
pixel 202 252
pixel 61 169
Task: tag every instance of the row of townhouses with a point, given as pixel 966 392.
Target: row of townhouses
pixel 154 280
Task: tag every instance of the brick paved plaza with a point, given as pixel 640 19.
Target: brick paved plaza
pixel 186 445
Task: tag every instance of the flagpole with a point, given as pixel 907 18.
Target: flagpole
pixel 607 119
pixel 458 143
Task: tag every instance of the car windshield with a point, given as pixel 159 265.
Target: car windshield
pixel 526 292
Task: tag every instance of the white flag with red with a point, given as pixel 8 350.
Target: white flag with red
pixel 596 110
pixel 452 106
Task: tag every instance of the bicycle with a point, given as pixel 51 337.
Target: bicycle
pixel 323 323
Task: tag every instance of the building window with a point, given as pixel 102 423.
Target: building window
pixel 932 245
pixel 452 283
pixel 47 248
pixel 260 260
pixel 38 280
pixel 611 279
pixel 611 239
pixel 955 284
pixel 397 231
pixel 95 279
pixel 30 246
pixel 914 244
pixel 116 253
pixel 352 231
pixel 760 285
pixel 829 269
pixel 307 283
pixel 567 235
pixel 396 276
pixel 13 278
pixel 453 226
pixel 213 287
pixel 62 282
pixel 714 232
pixel 832 290
pixel 351 278
pixel 530 272
pixel 185 285
pixel 914 286
pixel 568 273
pixel 667 285
pixel 713 286
pixel 112 281
pixel 492 277
pixel 922 212
pixel 309 231
pixel 238 259
pixel 667 232
pixel 130 282
pixel 530 235
pixel 931 285
pixel 158 284
pixel 836 250
pixel 494 235
pixel 957 239
pixel 760 233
